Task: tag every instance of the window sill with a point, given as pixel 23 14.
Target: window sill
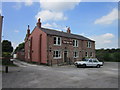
pixel 75 46
pixel 56 45
pixel 57 58
pixel 75 57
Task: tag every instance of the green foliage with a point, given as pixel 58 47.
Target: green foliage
pixel 108 54
pixel 6 46
pixel 20 47
pixel 6 54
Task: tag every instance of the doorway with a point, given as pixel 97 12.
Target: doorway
pixel 65 56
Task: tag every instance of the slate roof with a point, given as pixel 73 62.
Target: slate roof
pixel 64 34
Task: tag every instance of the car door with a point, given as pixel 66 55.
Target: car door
pixel 95 62
pixel 90 62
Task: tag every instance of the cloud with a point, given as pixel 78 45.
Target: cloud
pixel 54 10
pixel 57 5
pixel 109 18
pixel 16 31
pixel 14 45
pixel 50 15
pixel 18 5
pixel 28 2
pixel 105 40
pixel 54 26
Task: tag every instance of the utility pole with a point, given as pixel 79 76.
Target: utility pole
pixel 1 21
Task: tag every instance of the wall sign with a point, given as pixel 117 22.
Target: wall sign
pixel 67 42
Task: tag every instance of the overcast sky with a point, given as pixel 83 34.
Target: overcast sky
pixel 95 20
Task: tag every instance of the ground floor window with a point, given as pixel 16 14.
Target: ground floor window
pixel 86 54
pixel 91 54
pixel 57 54
pixel 75 54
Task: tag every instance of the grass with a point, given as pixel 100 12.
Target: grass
pixel 10 64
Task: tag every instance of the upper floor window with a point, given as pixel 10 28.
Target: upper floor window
pixel 57 54
pixel 75 43
pixel 89 44
pixel 75 54
pixel 57 41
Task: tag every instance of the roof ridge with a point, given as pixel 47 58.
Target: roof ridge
pixel 61 33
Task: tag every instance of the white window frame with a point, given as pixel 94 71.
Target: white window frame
pixel 57 41
pixel 75 43
pixel 77 54
pixel 88 44
pixel 28 54
pixel 29 43
pixel 86 54
pixel 59 54
pixel 91 55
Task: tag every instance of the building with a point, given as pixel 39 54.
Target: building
pixel 47 46
pixel 20 55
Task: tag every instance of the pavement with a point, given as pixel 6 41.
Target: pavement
pixel 40 76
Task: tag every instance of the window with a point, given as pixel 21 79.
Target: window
pixel 91 54
pixel 89 44
pixel 75 54
pixel 57 54
pixel 95 60
pixel 90 60
pixel 29 43
pixel 86 54
pixel 28 54
pixel 57 41
pixel 75 43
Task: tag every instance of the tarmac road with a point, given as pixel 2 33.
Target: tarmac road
pixel 39 76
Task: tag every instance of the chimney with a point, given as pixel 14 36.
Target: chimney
pixel 39 23
pixel 28 31
pixel 68 30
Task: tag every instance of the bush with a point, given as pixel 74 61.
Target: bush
pixel 6 58
pixel 108 55
pixel 6 54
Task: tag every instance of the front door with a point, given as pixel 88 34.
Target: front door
pixel 65 56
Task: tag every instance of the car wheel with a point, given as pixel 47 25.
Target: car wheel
pixel 84 65
pixel 98 66
pixel 78 66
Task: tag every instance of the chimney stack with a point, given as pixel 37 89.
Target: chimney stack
pixel 68 30
pixel 39 23
pixel 28 31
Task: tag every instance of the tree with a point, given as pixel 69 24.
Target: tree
pixel 108 54
pixel 6 46
pixel 20 47
pixel 6 52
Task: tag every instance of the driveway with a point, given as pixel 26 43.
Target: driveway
pixel 39 76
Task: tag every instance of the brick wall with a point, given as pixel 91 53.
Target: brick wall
pixel 82 48
pixel 21 55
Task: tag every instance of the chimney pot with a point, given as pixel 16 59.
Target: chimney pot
pixel 68 30
pixel 28 31
pixel 39 23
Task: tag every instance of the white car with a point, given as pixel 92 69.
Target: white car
pixel 90 62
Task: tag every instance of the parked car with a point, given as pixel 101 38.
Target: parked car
pixel 89 62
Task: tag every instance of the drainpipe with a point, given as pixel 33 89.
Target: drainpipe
pixel 40 44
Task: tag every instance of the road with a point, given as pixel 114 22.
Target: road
pixel 40 76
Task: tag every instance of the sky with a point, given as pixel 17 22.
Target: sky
pixel 95 20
